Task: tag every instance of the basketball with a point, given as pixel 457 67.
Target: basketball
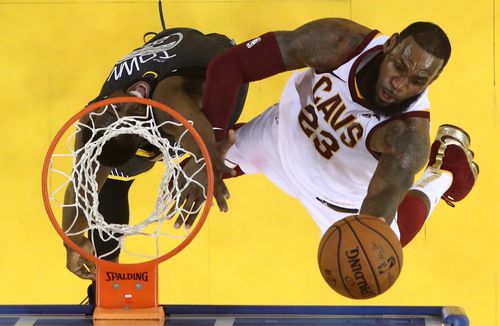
pixel 360 257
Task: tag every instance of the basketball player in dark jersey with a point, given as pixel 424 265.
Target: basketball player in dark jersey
pixel 171 69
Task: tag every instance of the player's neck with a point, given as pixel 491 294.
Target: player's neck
pixel 367 77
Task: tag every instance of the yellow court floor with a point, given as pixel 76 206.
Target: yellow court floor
pixel 54 57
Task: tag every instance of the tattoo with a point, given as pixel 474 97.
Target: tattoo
pixel 323 44
pixel 405 153
pixel 406 146
pixel 354 40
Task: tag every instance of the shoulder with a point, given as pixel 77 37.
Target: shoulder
pixel 334 28
pixel 321 44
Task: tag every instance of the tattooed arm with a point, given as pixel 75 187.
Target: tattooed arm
pixel 321 44
pixel 404 147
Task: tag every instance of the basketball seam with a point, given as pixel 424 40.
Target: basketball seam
pixel 326 240
pixel 392 247
pixel 322 246
pixel 338 264
pixel 364 252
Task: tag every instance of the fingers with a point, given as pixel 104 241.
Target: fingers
pixel 174 187
pixel 221 194
pixel 189 204
pixel 78 265
pixel 224 170
pixel 189 213
pixel 185 209
pixel 90 266
pixel 221 169
pixel 81 267
pixel 224 148
pixel 218 152
pixel 84 274
pixel 176 205
pixel 195 210
pixel 86 271
pixel 231 140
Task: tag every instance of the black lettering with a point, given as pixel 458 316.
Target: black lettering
pixel 353 253
pixel 327 86
pixel 325 142
pixel 329 106
pixel 308 120
pixel 359 277
pixel 365 289
pixel 386 265
pixel 327 146
pixel 335 124
pixel 139 276
pixel 354 132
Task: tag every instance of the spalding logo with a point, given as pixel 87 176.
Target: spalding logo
pixel 113 276
pixel 359 278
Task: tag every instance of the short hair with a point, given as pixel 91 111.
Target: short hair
pixel 119 150
pixel 429 37
pixel 115 151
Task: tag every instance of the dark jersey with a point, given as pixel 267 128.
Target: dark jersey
pixel 175 51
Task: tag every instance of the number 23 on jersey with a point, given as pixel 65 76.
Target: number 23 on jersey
pixel 341 127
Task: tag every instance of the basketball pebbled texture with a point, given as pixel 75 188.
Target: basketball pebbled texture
pixel 360 257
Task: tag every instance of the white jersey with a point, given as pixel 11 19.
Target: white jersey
pixel 324 129
pixel 313 145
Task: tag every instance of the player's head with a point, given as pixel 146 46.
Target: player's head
pixel 411 61
pixel 117 150
pixel 120 149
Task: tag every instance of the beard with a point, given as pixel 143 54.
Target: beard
pixel 389 110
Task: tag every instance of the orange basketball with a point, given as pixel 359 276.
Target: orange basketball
pixel 360 257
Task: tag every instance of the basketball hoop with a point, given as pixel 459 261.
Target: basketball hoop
pixel 124 290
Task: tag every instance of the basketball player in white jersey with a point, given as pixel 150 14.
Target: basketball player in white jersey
pixel 351 131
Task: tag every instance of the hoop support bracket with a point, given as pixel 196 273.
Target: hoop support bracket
pixel 127 292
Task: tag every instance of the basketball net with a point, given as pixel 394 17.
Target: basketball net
pixel 125 291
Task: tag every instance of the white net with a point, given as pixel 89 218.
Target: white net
pixel 81 175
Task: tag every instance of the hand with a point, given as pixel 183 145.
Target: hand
pixel 78 265
pixel 192 196
pixel 218 152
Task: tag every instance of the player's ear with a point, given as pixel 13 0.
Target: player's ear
pixel 140 89
pixel 391 42
pixel 436 76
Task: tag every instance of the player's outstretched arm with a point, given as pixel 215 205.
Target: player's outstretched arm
pixel 322 44
pixel 75 224
pixel 404 147
pixel 184 96
pixel 177 93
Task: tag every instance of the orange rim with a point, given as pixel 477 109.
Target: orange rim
pixel 176 116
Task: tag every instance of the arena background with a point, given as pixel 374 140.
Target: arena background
pixel 56 54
